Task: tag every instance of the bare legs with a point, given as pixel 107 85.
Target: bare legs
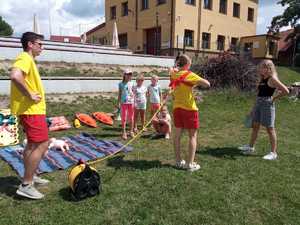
pixel 162 126
pixel 137 113
pixel 254 133
pixel 192 144
pixel 33 154
pixel 272 136
pixel 177 138
pixel 127 113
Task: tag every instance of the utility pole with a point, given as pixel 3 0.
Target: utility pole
pixel 156 35
pixel 79 26
pixel 49 14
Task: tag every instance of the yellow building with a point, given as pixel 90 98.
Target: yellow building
pixel 163 27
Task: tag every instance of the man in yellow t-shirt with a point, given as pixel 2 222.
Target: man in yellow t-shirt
pixel 27 101
pixel 185 111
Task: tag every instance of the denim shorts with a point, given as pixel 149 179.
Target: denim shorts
pixel 264 112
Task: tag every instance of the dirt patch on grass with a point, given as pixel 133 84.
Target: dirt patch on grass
pixel 68 98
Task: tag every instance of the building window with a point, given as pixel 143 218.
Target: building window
pixel 208 4
pixel 236 10
pixel 205 40
pixel 248 47
pixel 124 9
pixel 123 40
pixel 298 46
pixel 250 14
pixel 159 2
pixel 234 44
pixel 190 2
pixel 223 6
pixel 113 12
pixel 189 38
pixel 145 4
pixel 221 42
pixel 272 48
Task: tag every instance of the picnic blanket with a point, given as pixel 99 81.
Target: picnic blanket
pixel 8 128
pixel 82 146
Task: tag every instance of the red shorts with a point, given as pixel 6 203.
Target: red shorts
pixel 155 106
pixel 35 127
pixel 185 119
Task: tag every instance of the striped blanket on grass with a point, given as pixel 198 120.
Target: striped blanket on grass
pixel 82 146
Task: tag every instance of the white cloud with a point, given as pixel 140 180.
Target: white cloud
pixel 69 18
pixel 19 14
pixel 266 12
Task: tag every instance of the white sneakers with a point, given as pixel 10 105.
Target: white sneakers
pixel 270 156
pixel 190 167
pixel 180 164
pixel 29 191
pixel 39 181
pixel 246 149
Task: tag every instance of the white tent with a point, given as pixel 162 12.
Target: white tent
pixel 115 39
pixel 36 27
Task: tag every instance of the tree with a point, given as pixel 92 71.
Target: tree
pixel 5 28
pixel 290 16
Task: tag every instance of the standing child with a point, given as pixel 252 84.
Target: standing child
pixel 154 93
pixel 185 111
pixel 140 102
pixel 126 101
pixel 162 123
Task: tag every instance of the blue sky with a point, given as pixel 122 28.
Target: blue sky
pixel 73 17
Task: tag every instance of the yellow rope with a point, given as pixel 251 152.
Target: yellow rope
pixel 137 135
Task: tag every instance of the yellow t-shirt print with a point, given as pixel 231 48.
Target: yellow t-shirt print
pixel 19 103
pixel 183 95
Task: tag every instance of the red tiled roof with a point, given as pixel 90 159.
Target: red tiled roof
pixel 72 39
pixel 284 44
pixel 100 26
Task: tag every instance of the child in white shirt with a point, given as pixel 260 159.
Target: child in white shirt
pixel 154 93
pixel 140 102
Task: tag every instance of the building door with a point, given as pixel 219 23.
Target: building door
pixel 153 41
pixel 123 40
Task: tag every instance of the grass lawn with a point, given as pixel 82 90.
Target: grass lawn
pixel 142 187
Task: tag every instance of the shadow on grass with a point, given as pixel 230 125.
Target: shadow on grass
pixel 119 162
pixel 66 195
pixel 106 135
pixel 226 153
pixel 9 185
pixel 116 129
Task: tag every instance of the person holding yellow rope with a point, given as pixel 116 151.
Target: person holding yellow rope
pixel 185 111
